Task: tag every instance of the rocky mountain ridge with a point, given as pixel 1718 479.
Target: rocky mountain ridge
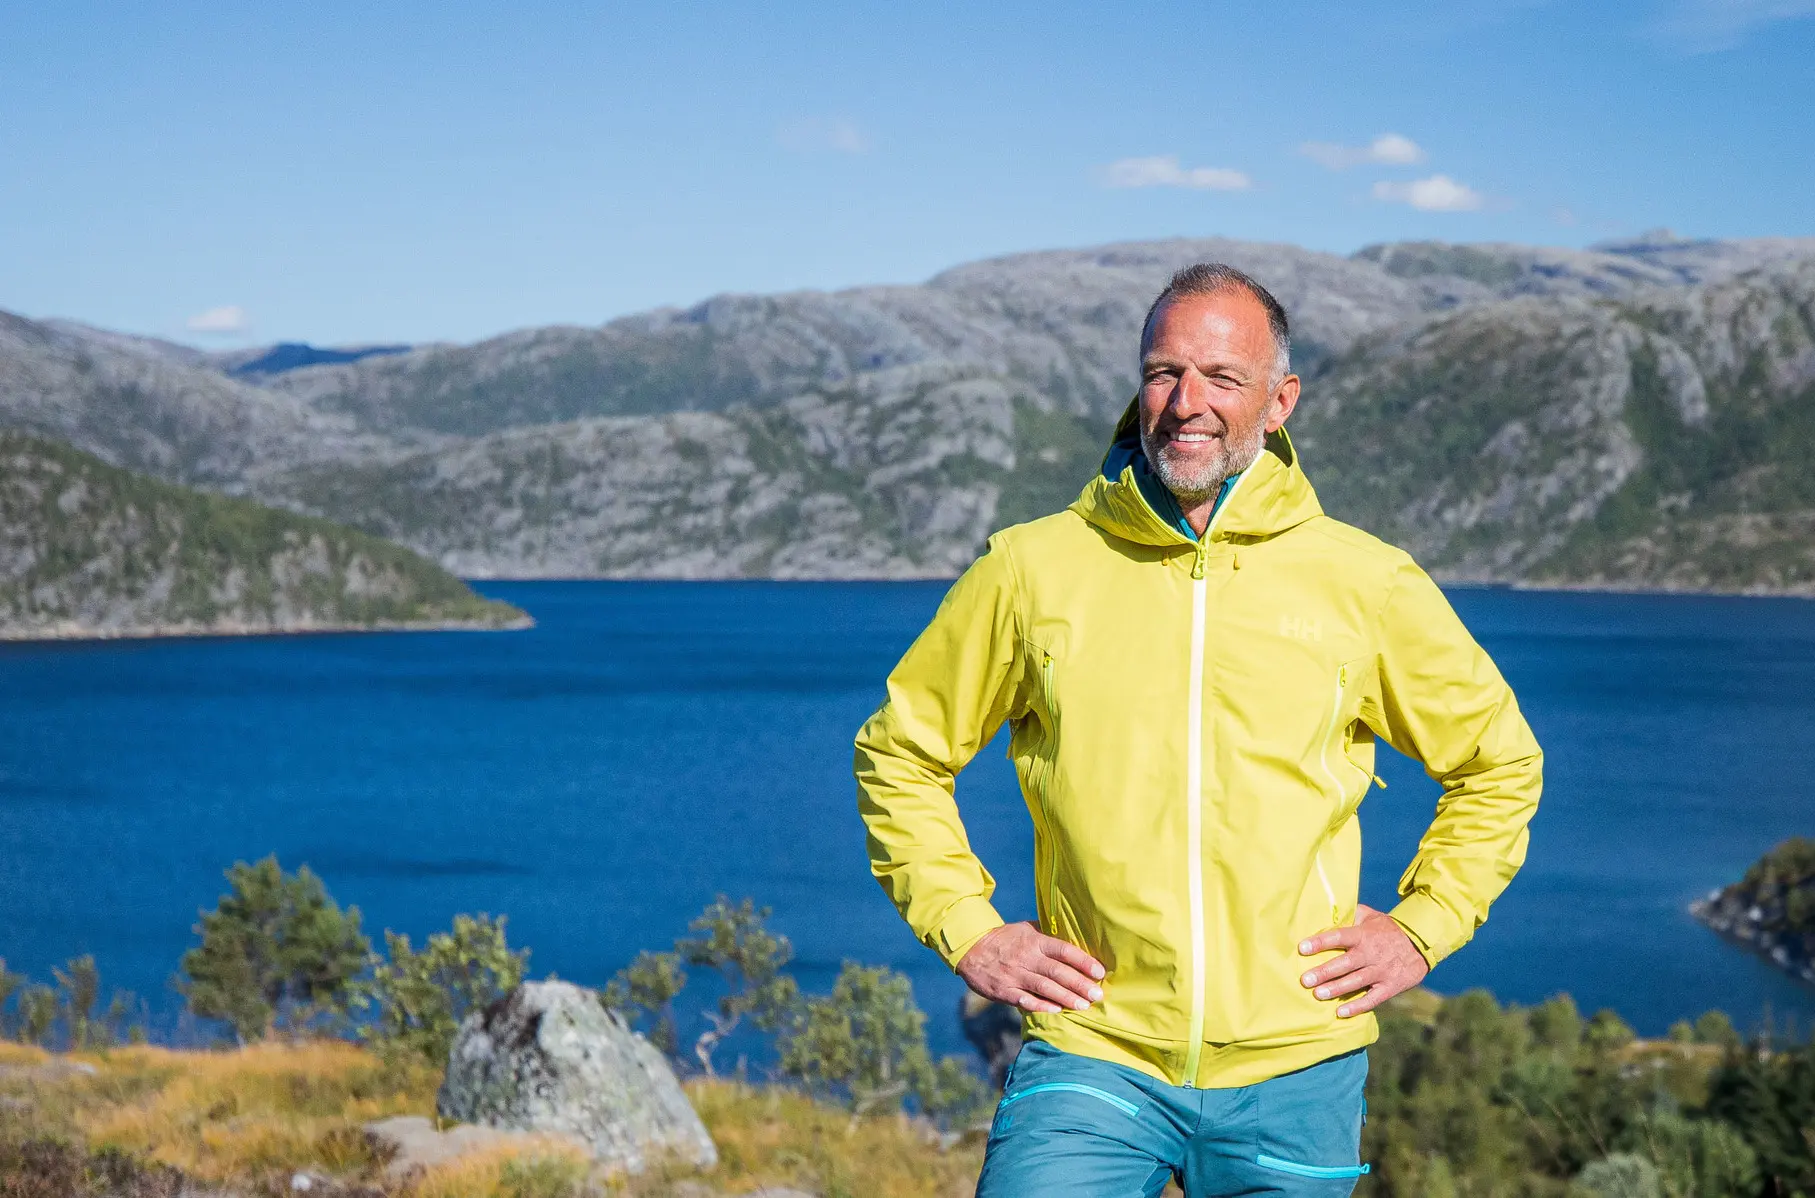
pixel 1504 411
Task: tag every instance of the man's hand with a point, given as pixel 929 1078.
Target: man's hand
pixel 1381 961
pixel 1020 965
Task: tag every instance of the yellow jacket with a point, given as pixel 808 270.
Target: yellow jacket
pixel 1193 727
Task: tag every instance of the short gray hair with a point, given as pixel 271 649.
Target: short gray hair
pixel 1215 278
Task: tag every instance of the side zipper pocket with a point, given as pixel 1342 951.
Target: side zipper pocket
pixel 1120 1104
pixel 1297 1170
pixel 1050 706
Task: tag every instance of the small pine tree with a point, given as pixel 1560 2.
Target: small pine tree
pixel 9 983
pixel 277 949
pixel 735 940
pixel 419 998
pixel 37 1013
pixel 78 990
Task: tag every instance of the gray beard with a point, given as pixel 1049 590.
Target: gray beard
pixel 1200 485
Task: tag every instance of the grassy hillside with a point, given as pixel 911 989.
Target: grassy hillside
pixel 88 549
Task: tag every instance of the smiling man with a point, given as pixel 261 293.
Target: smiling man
pixel 1195 663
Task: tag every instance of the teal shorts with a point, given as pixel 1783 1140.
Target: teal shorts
pixel 1074 1125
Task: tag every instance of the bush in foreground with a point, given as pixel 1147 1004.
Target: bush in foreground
pixel 276 951
pixel 419 998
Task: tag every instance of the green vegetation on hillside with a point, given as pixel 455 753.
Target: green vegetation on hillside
pixel 90 549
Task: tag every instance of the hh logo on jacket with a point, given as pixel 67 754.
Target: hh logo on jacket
pixel 1301 629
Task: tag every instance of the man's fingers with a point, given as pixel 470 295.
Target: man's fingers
pixel 1072 955
pixel 1329 938
pixel 1335 968
pixel 1362 1004
pixel 1044 987
pixel 1073 981
pixel 1350 983
pixel 1033 1002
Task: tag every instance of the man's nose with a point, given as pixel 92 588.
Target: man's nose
pixel 1190 396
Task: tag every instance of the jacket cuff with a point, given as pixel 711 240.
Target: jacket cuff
pixel 964 924
pixel 1430 927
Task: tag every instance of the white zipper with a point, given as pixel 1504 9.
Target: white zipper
pixel 1194 817
pixel 1194 792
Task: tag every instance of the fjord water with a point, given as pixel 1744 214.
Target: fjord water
pixel 649 745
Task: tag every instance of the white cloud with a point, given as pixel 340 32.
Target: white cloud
pixel 1701 26
pixel 1439 193
pixel 1164 171
pixel 1389 149
pixel 223 321
pixel 840 135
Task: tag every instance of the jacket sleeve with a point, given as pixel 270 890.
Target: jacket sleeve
pixel 946 698
pixel 1445 705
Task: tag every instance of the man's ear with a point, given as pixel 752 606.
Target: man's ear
pixel 1281 402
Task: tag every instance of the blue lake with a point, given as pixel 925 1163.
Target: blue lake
pixel 649 745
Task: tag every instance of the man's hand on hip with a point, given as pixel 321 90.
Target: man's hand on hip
pixel 1381 961
pixel 1020 965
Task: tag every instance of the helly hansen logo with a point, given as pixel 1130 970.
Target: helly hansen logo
pixel 1301 629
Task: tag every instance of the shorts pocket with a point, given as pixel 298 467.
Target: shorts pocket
pixel 1297 1169
pixel 1132 1110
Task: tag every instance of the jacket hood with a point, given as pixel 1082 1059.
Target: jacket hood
pixel 1273 494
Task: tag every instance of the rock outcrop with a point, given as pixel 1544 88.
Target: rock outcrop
pixel 548 1057
pixel 1770 911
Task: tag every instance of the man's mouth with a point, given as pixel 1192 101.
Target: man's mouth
pixel 1184 438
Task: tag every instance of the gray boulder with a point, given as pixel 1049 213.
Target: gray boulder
pixel 548 1057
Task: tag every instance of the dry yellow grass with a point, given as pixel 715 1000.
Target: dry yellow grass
pixel 248 1114
pixel 768 1136
pixel 251 1117
pixel 550 1167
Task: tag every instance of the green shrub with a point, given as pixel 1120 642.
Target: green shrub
pixel 1769 1097
pixel 1621 1175
pixel 419 998
pixel 643 992
pixel 275 951
pixel 866 1040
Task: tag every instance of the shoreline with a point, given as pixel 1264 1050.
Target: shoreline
pixel 1473 584
pixel 59 635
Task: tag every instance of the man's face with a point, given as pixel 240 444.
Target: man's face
pixel 1208 396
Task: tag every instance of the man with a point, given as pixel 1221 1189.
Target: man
pixel 1195 662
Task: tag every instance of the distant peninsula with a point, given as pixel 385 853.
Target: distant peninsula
pixel 89 550
pixel 1771 910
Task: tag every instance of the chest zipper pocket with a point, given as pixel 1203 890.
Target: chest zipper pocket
pixel 1040 776
pixel 1344 804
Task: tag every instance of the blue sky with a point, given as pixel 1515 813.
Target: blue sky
pixel 400 170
